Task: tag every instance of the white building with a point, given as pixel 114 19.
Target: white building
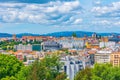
pixel 71 66
pixel 72 44
pixel 23 47
pixel 51 45
pixel 102 57
pixel 107 44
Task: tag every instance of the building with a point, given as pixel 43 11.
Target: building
pixel 14 37
pixel 104 39
pixel 115 59
pixel 36 47
pixel 91 53
pixel 102 56
pixel 72 43
pixel 51 45
pixel 107 44
pixel 94 35
pixel 23 47
pixel 71 66
pixel 37 38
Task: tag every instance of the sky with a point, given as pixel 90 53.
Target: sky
pixel 47 16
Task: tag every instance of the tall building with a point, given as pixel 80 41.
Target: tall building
pixel 115 59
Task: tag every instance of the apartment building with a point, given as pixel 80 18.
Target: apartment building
pixel 72 43
pixel 23 47
pixel 71 66
pixel 102 56
pixel 51 45
pixel 115 59
pixel 107 44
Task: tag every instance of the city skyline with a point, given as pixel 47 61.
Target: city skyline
pixel 40 17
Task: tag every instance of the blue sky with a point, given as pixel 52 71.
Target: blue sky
pixel 46 16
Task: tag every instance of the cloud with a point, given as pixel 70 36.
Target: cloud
pixel 48 13
pixel 106 15
pixel 111 10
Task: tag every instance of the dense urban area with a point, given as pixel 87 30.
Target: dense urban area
pixel 65 58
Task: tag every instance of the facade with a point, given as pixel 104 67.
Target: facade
pixel 107 44
pixel 102 57
pixel 23 47
pixel 20 56
pixel 72 44
pixel 71 66
pixel 36 47
pixel 115 59
pixel 51 45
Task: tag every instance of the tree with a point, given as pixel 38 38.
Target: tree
pixel 46 69
pixel 25 59
pixel 85 74
pixel 61 76
pixel 23 73
pixel 99 72
pixel 9 66
pixel 9 78
pixel 74 34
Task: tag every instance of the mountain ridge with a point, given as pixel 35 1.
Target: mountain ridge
pixel 59 34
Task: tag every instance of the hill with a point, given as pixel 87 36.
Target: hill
pixel 59 34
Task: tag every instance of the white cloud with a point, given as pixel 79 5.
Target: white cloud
pixel 117 23
pixel 78 21
pixel 108 10
pixel 101 22
pixel 106 16
pixel 48 13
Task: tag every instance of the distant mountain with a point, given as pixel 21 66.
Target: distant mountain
pixel 5 35
pixel 69 34
pixel 18 35
pixel 59 34
pixel 78 33
pixel 27 34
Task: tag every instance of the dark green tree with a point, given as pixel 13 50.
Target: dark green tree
pixel 25 59
pixel 74 34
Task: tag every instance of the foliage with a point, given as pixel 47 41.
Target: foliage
pixel 99 72
pixel 25 59
pixel 85 74
pixel 61 76
pixel 9 66
pixel 74 34
pixel 46 69
pixel 23 73
pixel 9 78
pixel 9 45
